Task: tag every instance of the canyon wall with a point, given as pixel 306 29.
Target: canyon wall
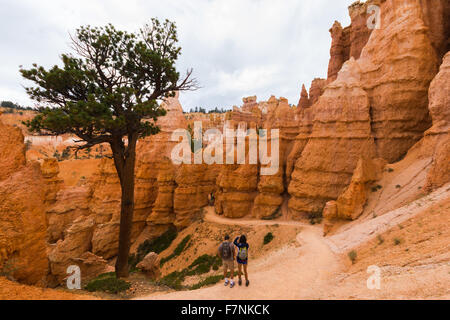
pixel 22 212
pixel 377 107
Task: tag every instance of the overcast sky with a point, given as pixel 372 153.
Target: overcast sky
pixel 237 48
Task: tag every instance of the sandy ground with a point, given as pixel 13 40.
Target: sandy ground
pixel 10 290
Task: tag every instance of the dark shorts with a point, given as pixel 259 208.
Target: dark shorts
pixel 241 261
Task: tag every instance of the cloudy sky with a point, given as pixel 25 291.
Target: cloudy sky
pixel 237 48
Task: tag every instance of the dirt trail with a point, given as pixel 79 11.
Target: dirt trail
pixel 292 272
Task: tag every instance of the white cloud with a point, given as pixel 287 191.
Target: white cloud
pixel 236 47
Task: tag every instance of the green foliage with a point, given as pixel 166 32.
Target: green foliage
pixel 352 256
pixel 203 264
pixel 112 83
pixel 159 244
pixel 107 282
pixel 208 281
pixel 268 238
pixel 178 250
pixel 376 188
pixel 200 266
pixel 65 154
pixel 11 105
pixel 156 245
pixel 57 155
pixel 315 217
pixel 173 280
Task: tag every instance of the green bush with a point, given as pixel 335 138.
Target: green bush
pixel 201 265
pixel 208 281
pixel 108 283
pixel 268 238
pixel 173 280
pixel 156 245
pixel 352 256
pixel 376 188
pixel 397 241
pixel 315 217
pixel 178 250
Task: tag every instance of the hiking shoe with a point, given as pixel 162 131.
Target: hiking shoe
pixel 231 284
pixel 247 283
pixel 240 282
pixel 226 282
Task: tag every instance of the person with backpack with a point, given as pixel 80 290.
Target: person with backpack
pixel 242 257
pixel 227 253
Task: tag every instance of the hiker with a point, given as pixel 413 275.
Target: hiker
pixel 227 253
pixel 242 257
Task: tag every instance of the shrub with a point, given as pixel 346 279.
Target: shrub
pixel 390 170
pixel 352 255
pixel 268 238
pixel 156 245
pixel 203 264
pixel 315 217
pixel 398 186
pixel 397 241
pixel 159 244
pixel 107 282
pixel 178 250
pixel 376 188
pixel 66 153
pixel 10 105
pixel 208 281
pixel 380 239
pixel 173 280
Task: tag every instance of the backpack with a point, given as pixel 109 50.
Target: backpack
pixel 226 251
pixel 242 253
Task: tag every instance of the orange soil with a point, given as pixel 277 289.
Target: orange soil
pixel 10 290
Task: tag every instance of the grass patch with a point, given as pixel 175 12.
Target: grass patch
pixel 315 217
pixel 208 281
pixel 178 250
pixel 352 255
pixel 201 265
pixel 156 245
pixel 107 282
pixel 268 238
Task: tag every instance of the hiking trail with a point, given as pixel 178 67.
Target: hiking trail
pixel 296 271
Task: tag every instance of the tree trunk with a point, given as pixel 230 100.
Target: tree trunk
pixel 125 170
